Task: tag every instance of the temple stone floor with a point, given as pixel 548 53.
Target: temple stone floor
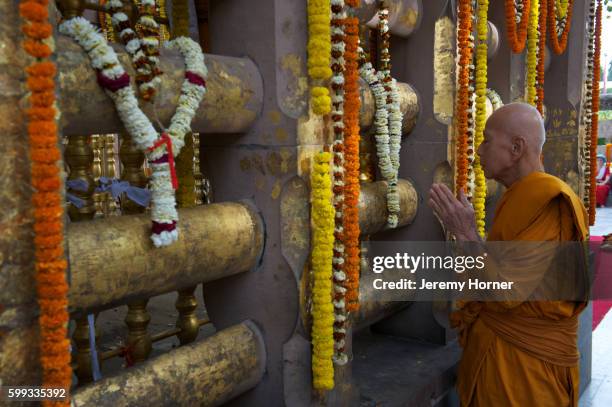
pixel 599 392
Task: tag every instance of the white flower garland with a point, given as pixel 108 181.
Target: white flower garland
pixel 114 79
pixel 390 167
pixel 338 14
pixel 495 99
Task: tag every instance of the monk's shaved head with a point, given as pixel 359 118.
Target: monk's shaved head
pixel 520 119
pixel 513 140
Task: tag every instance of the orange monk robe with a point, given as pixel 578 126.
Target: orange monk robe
pixel 524 354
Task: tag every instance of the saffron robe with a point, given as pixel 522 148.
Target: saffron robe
pixel 524 354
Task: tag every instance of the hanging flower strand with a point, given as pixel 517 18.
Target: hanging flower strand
pixel 532 56
pixel 351 156
pixel 463 103
pixel 337 116
pixel 47 200
pixel 319 51
pixel 471 117
pixel 587 107
pixel 142 47
pixel 389 166
pixel 481 96
pixel 594 110
pixel 559 27
pixel 517 19
pixel 541 55
pixel 322 213
pixel 159 150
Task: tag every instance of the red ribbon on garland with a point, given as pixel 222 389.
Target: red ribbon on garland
pixel 169 157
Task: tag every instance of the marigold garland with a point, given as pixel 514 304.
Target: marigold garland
pixel 541 56
pixel 481 97
pixel 471 151
pixel 337 116
pixel 559 27
pixel 532 48
pixel 50 263
pixel 464 31
pixel 322 213
pixel 517 30
pixel 319 51
pixel 594 111
pixel 352 106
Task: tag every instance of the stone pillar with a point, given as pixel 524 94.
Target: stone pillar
pixel 18 320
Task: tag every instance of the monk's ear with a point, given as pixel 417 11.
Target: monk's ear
pixel 518 146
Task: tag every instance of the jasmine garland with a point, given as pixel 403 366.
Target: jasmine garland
pixel 159 150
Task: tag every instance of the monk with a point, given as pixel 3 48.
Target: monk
pixel 517 353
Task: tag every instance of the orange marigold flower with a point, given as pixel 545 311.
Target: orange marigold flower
pixel 38 31
pixel 42 99
pixel 34 11
pixel 40 83
pixel 45 155
pixel 47 200
pixel 39 127
pixel 37 49
pixel 41 113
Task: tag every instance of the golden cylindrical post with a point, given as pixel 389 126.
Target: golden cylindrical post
pixel 97 146
pixel 132 160
pixel 137 321
pixel 82 351
pixel 79 157
pixel 113 261
pixel 110 170
pixel 409 106
pixel 206 373
pixel 187 321
pixel 373 205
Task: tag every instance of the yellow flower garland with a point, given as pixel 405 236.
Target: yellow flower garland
pixel 322 213
pixel 319 53
pixel 481 112
pixel 561 8
pixel 532 47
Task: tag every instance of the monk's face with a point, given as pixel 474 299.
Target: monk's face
pixel 600 163
pixel 495 152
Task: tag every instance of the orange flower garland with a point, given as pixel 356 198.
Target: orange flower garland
pixel 559 45
pixel 351 163
pixel 52 287
pixel 594 110
pixel 541 57
pixel 463 94
pixel 517 38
